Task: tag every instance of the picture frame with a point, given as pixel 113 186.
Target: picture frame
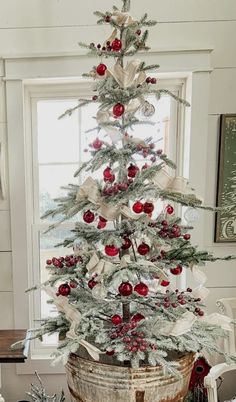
pixel 225 223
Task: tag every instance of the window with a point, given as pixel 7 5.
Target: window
pixel 56 147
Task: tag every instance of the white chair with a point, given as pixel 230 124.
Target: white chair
pixel 226 306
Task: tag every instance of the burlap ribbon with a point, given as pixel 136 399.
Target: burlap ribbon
pixel 200 277
pixel 187 320
pixel 74 317
pixel 123 18
pixel 178 184
pixel 128 76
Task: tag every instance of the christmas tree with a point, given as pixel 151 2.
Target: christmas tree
pixel 116 294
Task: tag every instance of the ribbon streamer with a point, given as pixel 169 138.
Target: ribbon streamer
pixel 181 326
pixel 128 76
pixel 178 184
pixel 74 316
pixel 99 266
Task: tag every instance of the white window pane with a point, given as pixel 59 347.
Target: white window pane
pixel 51 179
pixel 57 139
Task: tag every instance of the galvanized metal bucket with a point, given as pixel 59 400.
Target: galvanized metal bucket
pixel 91 381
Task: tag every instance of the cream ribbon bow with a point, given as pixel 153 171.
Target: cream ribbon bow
pixel 74 317
pixel 128 76
pixel 99 266
pixel 123 18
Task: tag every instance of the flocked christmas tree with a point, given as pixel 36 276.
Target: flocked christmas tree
pixel 116 294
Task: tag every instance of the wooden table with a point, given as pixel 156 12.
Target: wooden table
pixel 7 338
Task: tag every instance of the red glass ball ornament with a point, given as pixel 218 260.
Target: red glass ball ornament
pixel 92 283
pixel 97 144
pixel 101 69
pixel 116 319
pixel 88 216
pixel 125 289
pixel 187 236
pixel 101 225
pixel 111 250
pixel 132 170
pixel 64 289
pixel 126 243
pixel 143 249
pixel 177 270
pixel 118 109
pixel 138 207
pixel 169 209
pixel 142 289
pixel 49 262
pixel 110 352
pixel 137 317
pixel 164 283
pixel 116 45
pixel 102 219
pixel 148 207
pixel 107 173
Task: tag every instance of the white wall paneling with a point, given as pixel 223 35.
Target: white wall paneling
pixel 5 272
pixel 73 12
pixel 6 313
pixel 223 91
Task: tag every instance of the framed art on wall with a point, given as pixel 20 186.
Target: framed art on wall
pixel 225 226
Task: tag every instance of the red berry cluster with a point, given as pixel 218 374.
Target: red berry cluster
pixel 116 188
pixel 64 262
pixel 146 150
pixel 150 80
pixel 170 231
pixel 132 339
pixel 132 170
pixel 180 299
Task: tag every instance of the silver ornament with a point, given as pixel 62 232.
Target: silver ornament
pixel 147 109
pixel 191 215
pixel 99 291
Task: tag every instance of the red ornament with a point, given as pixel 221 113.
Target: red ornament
pixel 177 270
pixel 110 352
pixel 125 289
pixel 49 262
pixel 164 283
pixel 187 236
pixel 108 174
pixel 132 170
pixel 64 289
pixel 88 216
pixel 138 207
pixel 143 248
pixel 116 319
pixel 169 209
pixel 101 69
pixel 111 250
pixel 153 80
pixel 137 317
pixel 97 144
pixel 148 207
pixel 116 45
pixel 118 109
pixel 102 219
pixel 92 283
pixel 101 225
pixel 127 243
pixel 142 289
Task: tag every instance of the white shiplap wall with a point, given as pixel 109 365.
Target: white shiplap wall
pixel 40 27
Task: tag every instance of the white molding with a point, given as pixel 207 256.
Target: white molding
pixel 74 65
